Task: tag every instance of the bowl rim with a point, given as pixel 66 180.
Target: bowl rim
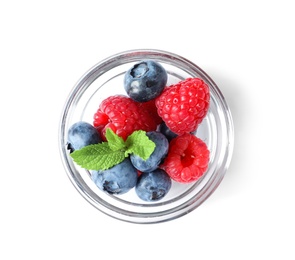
pixel 125 215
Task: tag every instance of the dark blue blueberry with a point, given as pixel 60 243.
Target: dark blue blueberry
pixel 161 150
pixel 145 80
pixel 116 180
pixel 82 134
pixel 153 186
pixel 166 131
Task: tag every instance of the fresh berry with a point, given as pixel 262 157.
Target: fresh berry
pixel 187 158
pixel 151 108
pixel 166 131
pixel 156 157
pixel 184 105
pixel 123 115
pixel 145 80
pixel 116 180
pixel 82 134
pixel 153 186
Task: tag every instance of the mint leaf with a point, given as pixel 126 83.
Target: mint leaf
pixel 139 144
pixel 97 156
pixel 115 142
pixel 105 155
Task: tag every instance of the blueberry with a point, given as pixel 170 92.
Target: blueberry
pixel 163 128
pixel 82 134
pixel 145 80
pixel 117 180
pixel 161 150
pixel 153 186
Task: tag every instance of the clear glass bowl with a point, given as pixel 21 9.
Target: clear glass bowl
pixel 105 79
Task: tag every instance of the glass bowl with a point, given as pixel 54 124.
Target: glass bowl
pixel 216 130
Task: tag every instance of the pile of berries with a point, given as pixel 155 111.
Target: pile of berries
pixel 168 114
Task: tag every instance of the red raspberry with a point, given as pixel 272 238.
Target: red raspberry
pixel 151 108
pixel 184 105
pixel 187 158
pixel 123 115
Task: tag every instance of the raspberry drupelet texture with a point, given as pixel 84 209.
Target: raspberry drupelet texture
pixel 151 108
pixel 184 105
pixel 123 115
pixel 187 158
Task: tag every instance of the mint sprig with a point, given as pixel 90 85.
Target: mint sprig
pixel 138 143
pixel 105 155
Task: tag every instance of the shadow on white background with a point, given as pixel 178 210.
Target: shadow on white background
pixel 236 98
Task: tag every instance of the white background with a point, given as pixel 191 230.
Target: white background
pixel 247 47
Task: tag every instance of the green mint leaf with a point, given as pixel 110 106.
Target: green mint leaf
pixel 105 155
pixel 139 144
pixel 97 156
pixel 115 142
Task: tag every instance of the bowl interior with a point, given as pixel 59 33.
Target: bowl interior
pixel 105 79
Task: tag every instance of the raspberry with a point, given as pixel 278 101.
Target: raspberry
pixel 187 158
pixel 151 108
pixel 184 105
pixel 123 115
